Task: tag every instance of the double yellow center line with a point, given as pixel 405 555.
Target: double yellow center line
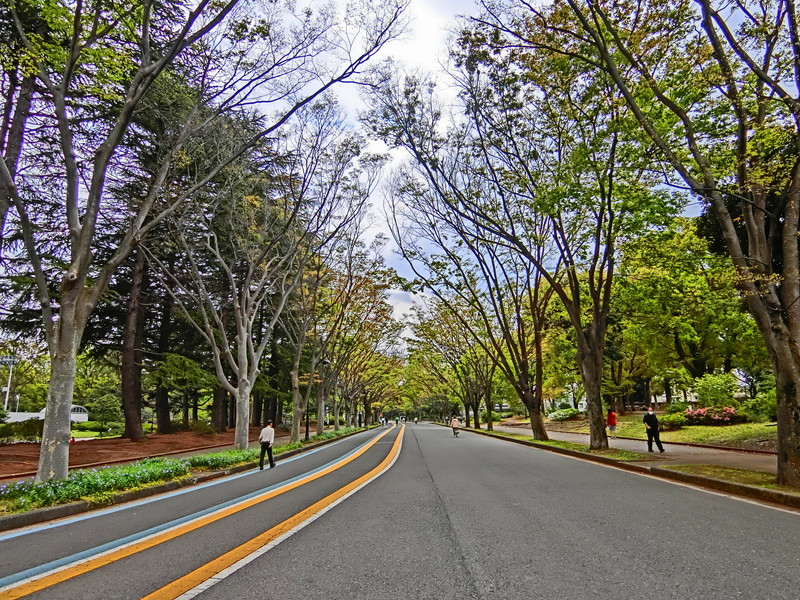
pixel 52 578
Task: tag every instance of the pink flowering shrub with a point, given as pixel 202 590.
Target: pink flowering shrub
pixel 713 416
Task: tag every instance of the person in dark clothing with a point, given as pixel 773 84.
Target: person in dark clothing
pixel 650 421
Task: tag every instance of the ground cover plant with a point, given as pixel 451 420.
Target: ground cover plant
pixel 742 435
pixel 612 453
pixel 98 485
pixel 744 476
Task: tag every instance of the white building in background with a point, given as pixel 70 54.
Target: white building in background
pixel 77 414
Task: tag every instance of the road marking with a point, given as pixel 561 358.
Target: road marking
pixel 160 497
pixel 193 584
pixel 44 580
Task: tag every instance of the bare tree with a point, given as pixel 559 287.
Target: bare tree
pixel 237 57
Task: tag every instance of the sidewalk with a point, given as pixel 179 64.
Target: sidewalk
pixel 675 454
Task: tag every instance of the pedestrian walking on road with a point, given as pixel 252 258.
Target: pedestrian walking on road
pixel 611 423
pixel 455 424
pixel 267 438
pixel 650 421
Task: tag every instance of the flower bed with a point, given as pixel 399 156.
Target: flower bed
pixel 713 416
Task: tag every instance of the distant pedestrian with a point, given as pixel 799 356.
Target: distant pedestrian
pixel 455 424
pixel 611 422
pixel 267 438
pixel 650 421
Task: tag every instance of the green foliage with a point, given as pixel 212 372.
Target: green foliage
pixel 105 409
pixel 564 414
pixel 715 389
pixel 762 408
pixel 87 426
pixel 202 428
pixel 27 495
pixel 112 427
pixel 100 484
pixel 496 416
pixel 22 431
pixel 675 408
pixel 672 421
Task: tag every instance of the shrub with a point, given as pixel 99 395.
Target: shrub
pixel 713 416
pixel 497 416
pixel 22 431
pixel 675 408
pixel 715 389
pixel 25 495
pixel 202 428
pixel 671 422
pixel 764 407
pixel 87 426
pixel 563 414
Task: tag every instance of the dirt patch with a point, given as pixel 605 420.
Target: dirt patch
pixel 23 458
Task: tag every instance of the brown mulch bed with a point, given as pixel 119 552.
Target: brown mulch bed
pixel 21 458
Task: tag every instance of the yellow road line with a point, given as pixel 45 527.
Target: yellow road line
pixel 209 570
pixel 47 580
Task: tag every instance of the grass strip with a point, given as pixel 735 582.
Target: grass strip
pixel 612 453
pixel 100 484
pixel 761 479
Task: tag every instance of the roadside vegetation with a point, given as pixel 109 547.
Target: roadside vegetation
pixel 743 476
pixel 753 436
pixel 99 485
pixel 749 477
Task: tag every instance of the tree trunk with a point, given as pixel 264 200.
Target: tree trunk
pixel 533 402
pixel 320 393
pixel 489 412
pixel 64 341
pixel 258 409
pixel 297 406
pixel 54 453
pixel 218 409
pixel 230 404
pixel 590 362
pixel 163 413
pixel 784 351
pixel 242 432
pixel 185 410
pixel 476 411
pixel 131 367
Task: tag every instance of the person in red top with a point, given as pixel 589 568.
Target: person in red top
pixel 611 422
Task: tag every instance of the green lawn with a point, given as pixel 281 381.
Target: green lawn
pixel 743 476
pixel 612 453
pixel 745 435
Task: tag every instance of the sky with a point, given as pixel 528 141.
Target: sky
pixel 423 47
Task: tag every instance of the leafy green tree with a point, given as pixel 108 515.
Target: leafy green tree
pixel 104 409
pixel 716 389
pixel 713 87
pixel 681 302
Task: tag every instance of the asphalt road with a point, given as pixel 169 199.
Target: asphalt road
pixel 472 517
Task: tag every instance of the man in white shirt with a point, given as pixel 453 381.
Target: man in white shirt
pixel 267 438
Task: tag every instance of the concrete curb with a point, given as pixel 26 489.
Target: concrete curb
pixel 60 511
pixel 729 487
